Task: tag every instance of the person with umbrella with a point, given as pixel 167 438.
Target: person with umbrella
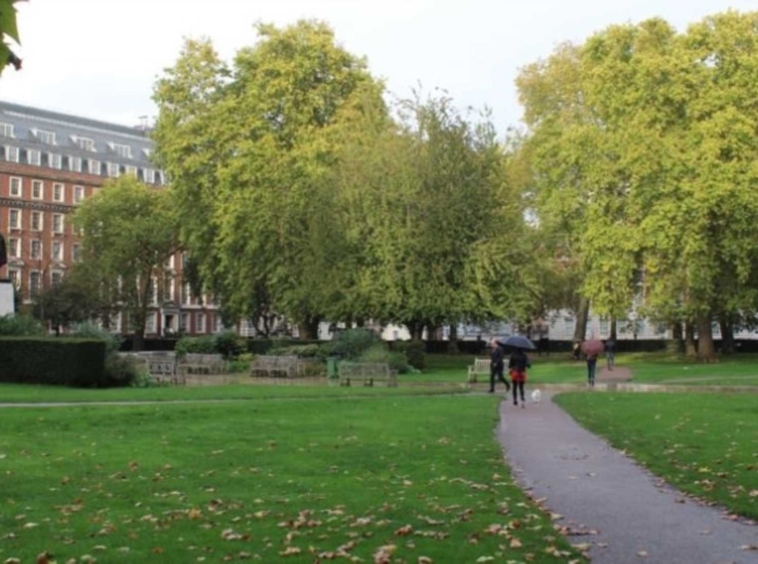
pixel 517 365
pixel 497 367
pixel 592 350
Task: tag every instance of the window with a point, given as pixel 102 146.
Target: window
pixel 38 190
pixel 151 324
pixel 14 248
pixel 168 288
pixel 218 325
pixel 34 157
pixel 36 249
pixel 185 294
pixel 113 170
pixel 55 161
pixel 6 129
pixel 570 326
pixel 47 137
pixel 603 327
pixel 131 171
pixel 15 219
pixel 11 154
pixel 75 164
pixel 37 221
pixel 200 323
pixel 56 278
pixel 170 263
pixel 184 323
pixel 78 194
pixel 76 252
pixel 15 187
pixel 158 177
pixel 15 277
pixel 93 167
pixel 149 176
pixel 59 192
pixel 57 251
pixel 34 284
pixel 57 223
pixel 85 143
pixel 124 151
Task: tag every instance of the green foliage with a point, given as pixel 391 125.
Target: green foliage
pixel 8 28
pixel 20 326
pixel 72 301
pixel 70 362
pixel 198 345
pixel 241 364
pixel 120 372
pixel 379 353
pixel 414 351
pixel 351 343
pixel 302 351
pixel 91 331
pixel 229 344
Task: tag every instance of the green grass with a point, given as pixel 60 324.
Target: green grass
pixel 189 483
pixel 655 368
pixel 705 444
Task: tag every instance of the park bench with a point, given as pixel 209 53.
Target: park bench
pixel 366 372
pixel 194 363
pixel 161 365
pixel 276 366
pixel 481 366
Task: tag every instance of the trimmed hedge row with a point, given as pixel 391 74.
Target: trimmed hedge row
pixel 67 362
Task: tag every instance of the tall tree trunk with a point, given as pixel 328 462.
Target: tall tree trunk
pixel 676 345
pixel 706 352
pixel 614 329
pixel 676 331
pixel 416 329
pixel 308 328
pixel 431 332
pixel 452 346
pixel 582 316
pixel 727 333
pixel 690 349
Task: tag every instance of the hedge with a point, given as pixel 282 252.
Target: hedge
pixel 68 362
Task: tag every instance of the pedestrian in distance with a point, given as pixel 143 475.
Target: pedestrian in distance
pixel 610 353
pixel 517 365
pixel 591 368
pixel 497 367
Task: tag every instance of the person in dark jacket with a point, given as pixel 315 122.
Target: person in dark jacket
pixel 517 366
pixel 610 353
pixel 497 366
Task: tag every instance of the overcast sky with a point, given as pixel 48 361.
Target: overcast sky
pixel 100 58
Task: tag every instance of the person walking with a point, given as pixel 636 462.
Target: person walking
pixel 591 368
pixel 610 353
pixel 497 366
pixel 517 365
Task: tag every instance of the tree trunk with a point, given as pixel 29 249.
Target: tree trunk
pixel 416 329
pixel 138 344
pixel 614 329
pixel 308 328
pixel 452 346
pixel 676 331
pixel 676 345
pixel 582 316
pixel 706 352
pixel 727 334
pixel 690 349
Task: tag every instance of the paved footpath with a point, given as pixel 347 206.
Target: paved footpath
pixel 596 488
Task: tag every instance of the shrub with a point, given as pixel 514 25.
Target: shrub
pixel 414 352
pixel 196 345
pixel 71 362
pixel 229 344
pixel 241 364
pixel 302 351
pixel 120 371
pixel 94 332
pixel 379 353
pixel 352 343
pixel 20 326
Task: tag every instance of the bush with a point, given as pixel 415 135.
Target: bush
pixel 120 371
pixel 195 345
pixel 352 343
pixel 20 326
pixel 91 331
pixel 414 352
pixel 301 351
pixel 241 364
pixel 229 344
pixel 70 362
pixel 379 353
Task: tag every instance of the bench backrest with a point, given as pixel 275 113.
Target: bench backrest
pixel 197 358
pixel 482 365
pixel 363 369
pixel 275 362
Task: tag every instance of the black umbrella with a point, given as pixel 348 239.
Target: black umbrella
pixel 518 342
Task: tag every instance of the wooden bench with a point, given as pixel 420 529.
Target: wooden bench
pixel 481 366
pixel 276 366
pixel 194 363
pixel 367 373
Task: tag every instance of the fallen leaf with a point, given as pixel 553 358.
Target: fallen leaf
pixel 290 551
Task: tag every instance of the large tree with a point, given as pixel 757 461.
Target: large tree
pixel 8 28
pixel 130 231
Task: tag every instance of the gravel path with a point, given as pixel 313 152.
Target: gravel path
pixel 625 513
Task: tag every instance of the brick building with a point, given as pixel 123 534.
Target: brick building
pixel 49 164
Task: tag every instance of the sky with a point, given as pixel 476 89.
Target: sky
pixel 100 58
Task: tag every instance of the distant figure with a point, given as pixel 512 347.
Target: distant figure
pixel 577 350
pixel 497 366
pixel 591 368
pixel 517 366
pixel 544 344
pixel 610 353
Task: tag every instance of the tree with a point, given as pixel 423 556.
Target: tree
pixel 8 28
pixel 71 301
pixel 130 230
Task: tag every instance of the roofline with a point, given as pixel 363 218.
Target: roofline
pixel 73 121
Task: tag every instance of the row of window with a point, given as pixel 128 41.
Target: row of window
pixel 57 250
pixel 38 190
pixel 169 293
pixel 95 167
pixel 35 280
pixel 37 221
pixel 201 325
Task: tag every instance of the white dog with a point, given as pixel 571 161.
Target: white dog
pixel 536 396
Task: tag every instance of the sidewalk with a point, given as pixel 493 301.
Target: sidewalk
pixel 597 489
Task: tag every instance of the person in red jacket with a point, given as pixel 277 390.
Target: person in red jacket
pixel 517 366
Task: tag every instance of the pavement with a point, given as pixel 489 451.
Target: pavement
pixel 625 513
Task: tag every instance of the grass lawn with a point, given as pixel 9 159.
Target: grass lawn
pixel 654 368
pixel 454 368
pixel 704 444
pixel 295 481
